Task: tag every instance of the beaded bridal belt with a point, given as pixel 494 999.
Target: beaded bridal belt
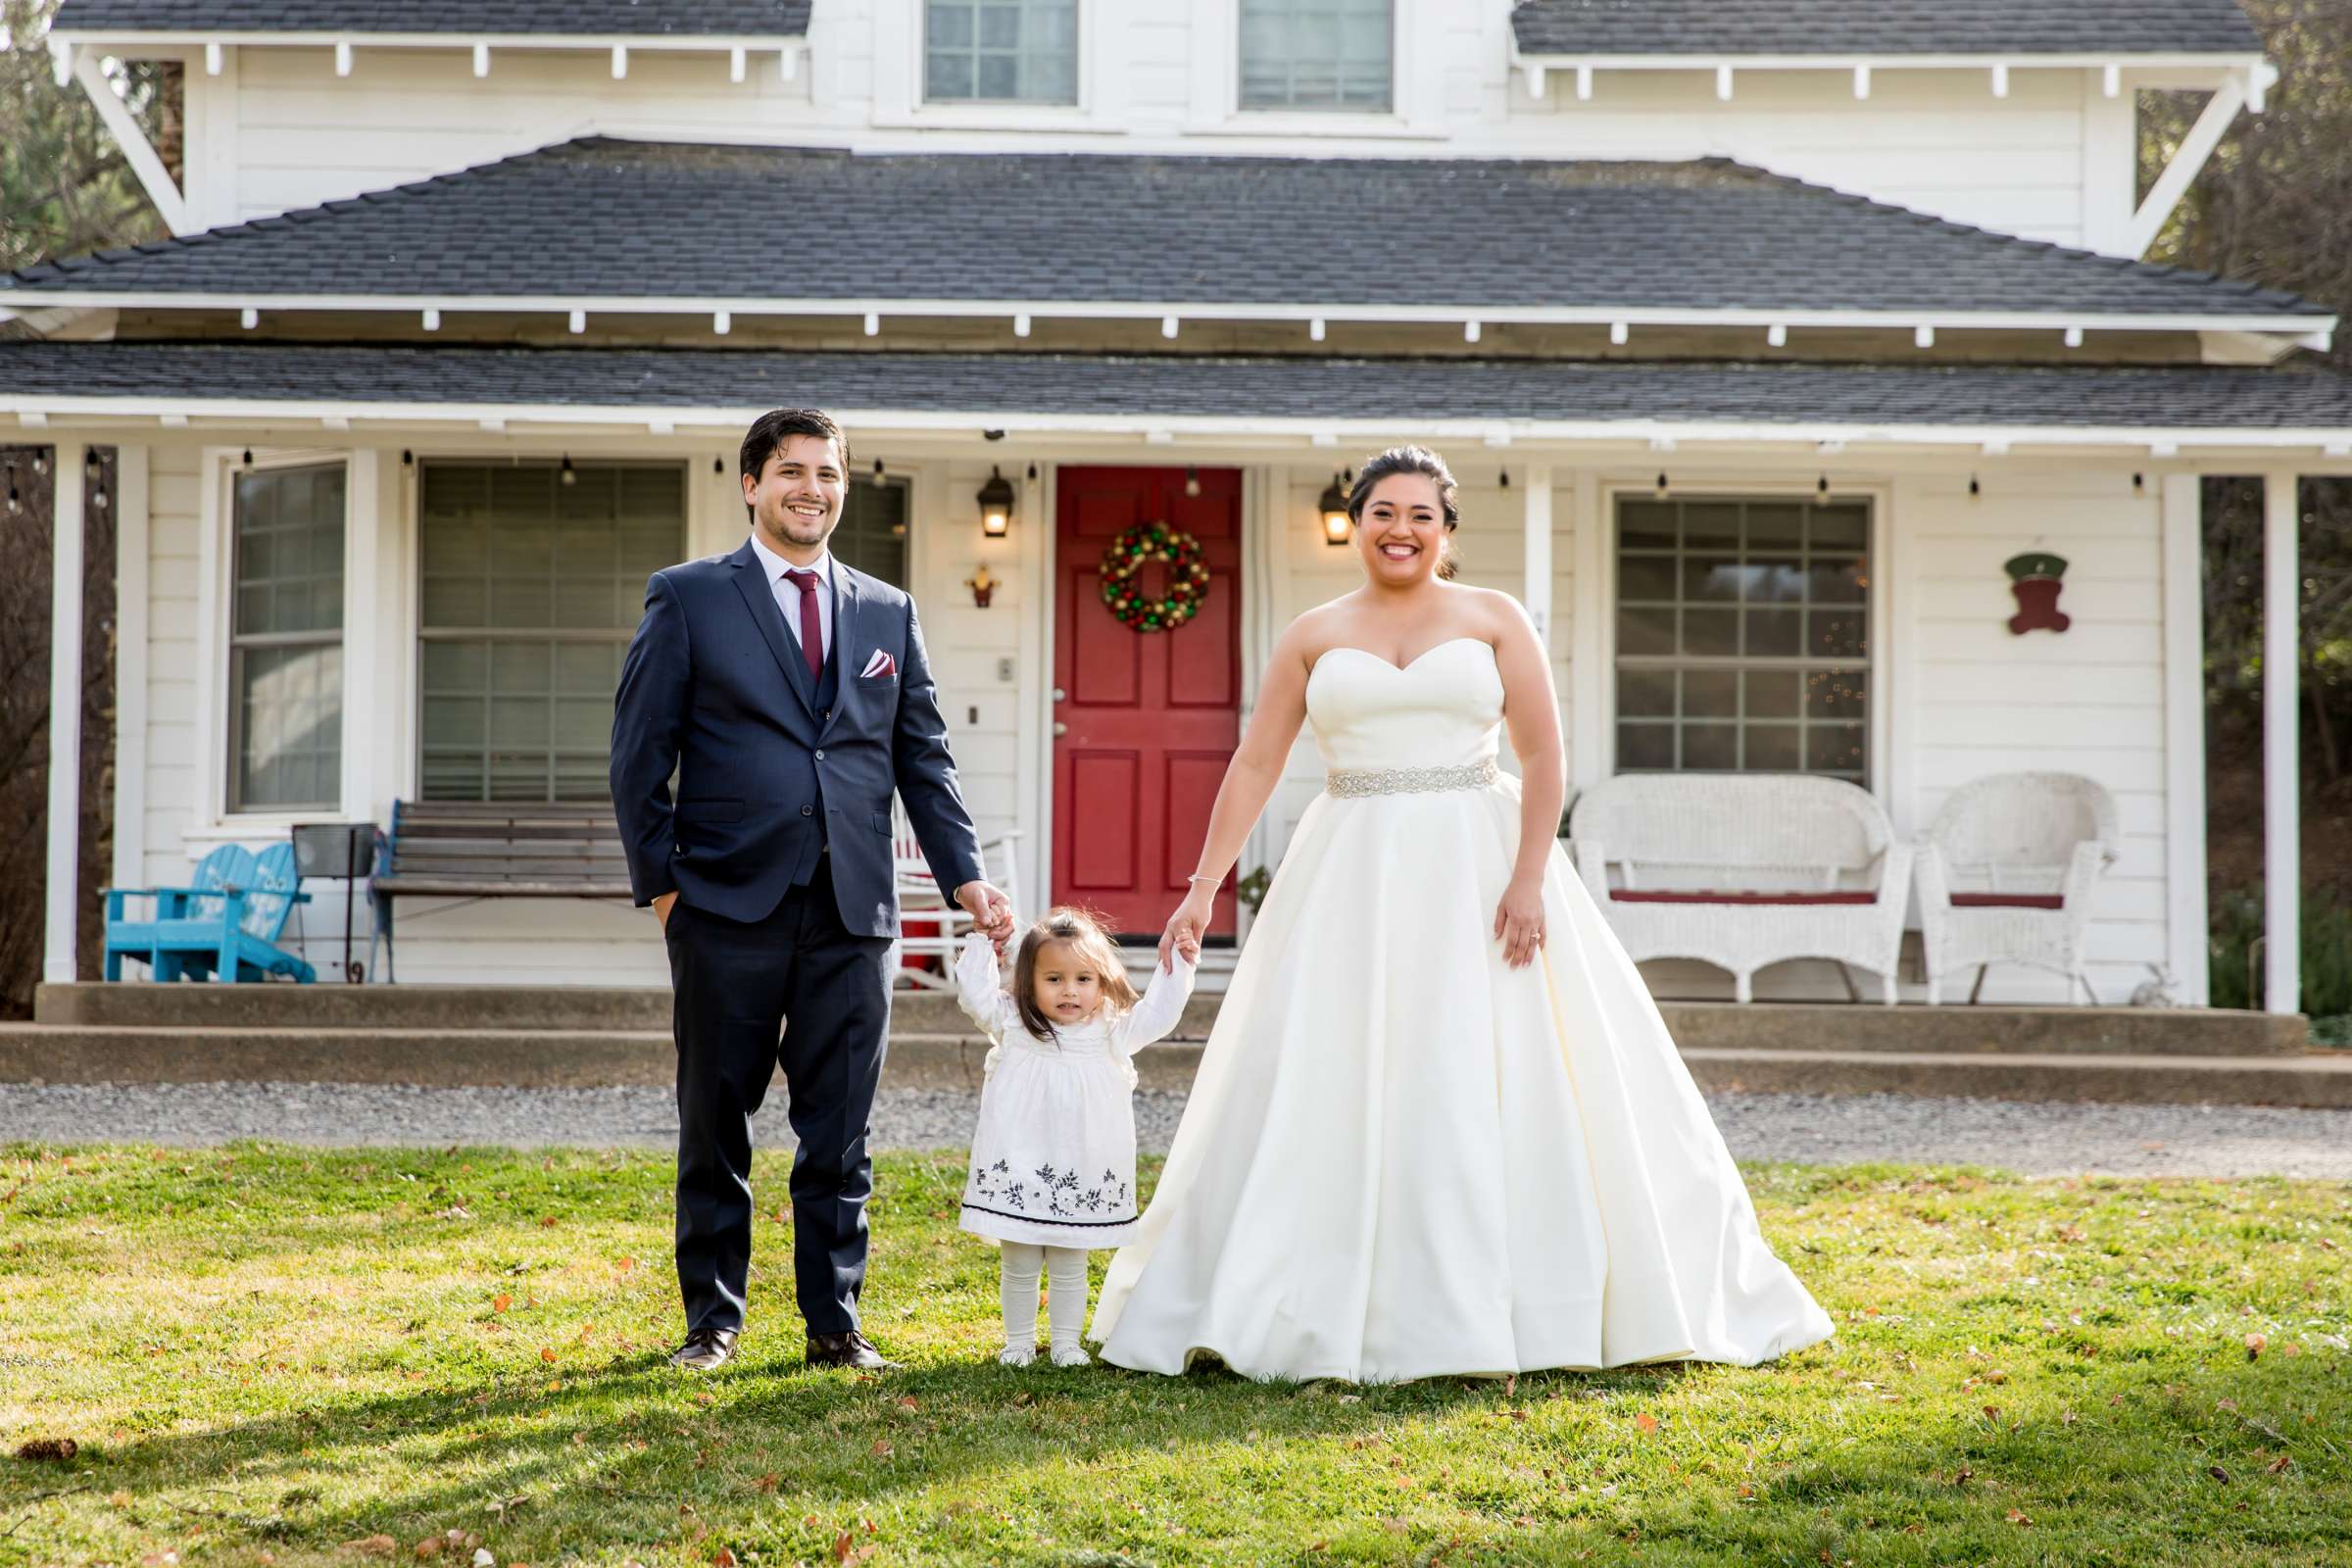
pixel 1352 783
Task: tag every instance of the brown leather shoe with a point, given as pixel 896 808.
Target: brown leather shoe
pixel 705 1349
pixel 852 1350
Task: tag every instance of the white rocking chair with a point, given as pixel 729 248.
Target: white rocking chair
pixel 938 923
pixel 2006 874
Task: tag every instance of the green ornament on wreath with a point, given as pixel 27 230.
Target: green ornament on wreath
pixel 1122 578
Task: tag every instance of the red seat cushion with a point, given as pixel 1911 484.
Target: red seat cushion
pixel 1739 896
pixel 2008 900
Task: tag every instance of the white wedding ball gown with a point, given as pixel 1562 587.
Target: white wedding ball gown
pixel 1402 1158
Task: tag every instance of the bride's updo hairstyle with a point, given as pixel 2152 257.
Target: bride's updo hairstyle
pixel 1431 466
pixel 1077 930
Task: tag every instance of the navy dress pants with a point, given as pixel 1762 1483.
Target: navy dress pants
pixel 796 990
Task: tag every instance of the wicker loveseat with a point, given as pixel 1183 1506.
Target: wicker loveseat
pixel 1744 869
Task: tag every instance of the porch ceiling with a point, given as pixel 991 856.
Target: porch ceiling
pixel 676 227
pixel 1297 398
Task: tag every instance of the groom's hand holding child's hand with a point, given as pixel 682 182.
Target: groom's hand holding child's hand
pixel 989 910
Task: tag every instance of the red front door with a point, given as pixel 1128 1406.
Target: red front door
pixel 1148 719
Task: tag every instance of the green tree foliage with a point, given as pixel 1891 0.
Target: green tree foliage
pixel 66 188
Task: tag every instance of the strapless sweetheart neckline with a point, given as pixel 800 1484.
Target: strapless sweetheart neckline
pixel 1382 659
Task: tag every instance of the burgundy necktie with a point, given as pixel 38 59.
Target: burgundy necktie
pixel 813 629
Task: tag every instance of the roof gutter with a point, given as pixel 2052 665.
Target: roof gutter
pixel 1991 440
pixel 2307 330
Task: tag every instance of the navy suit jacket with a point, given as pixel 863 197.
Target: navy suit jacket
pixel 715 689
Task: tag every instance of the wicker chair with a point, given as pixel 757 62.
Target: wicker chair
pixel 2006 874
pixel 1745 869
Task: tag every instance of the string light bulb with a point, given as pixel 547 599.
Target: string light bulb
pixel 1661 484
pixel 1973 489
pixel 1192 480
pixel 567 473
pixel 2139 484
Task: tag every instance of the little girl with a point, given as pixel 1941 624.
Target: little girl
pixel 1053 1170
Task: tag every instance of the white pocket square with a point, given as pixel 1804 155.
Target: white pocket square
pixel 880 665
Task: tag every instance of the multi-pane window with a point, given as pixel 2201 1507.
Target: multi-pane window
pixel 1316 54
pixel 532 588
pixel 873 535
pixel 285 658
pixel 1001 51
pixel 1743 636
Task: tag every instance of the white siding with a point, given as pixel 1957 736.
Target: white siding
pixel 278 129
pixel 174 524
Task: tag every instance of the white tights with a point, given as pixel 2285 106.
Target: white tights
pixel 1065 1309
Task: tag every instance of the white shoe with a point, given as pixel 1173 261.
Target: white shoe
pixel 1017 1354
pixel 1071 1355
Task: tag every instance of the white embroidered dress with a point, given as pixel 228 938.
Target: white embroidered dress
pixel 1054 1153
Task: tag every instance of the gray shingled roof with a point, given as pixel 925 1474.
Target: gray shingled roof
pixel 641 19
pixel 995 385
pixel 610 219
pixel 2099 28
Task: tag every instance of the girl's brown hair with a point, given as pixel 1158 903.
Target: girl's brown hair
pixel 1078 929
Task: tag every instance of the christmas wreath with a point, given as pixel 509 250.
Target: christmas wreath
pixel 1122 572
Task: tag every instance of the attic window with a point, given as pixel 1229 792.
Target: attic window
pixel 1001 51
pixel 1317 54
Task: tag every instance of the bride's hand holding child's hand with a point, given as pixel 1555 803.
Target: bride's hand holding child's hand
pixel 1186 925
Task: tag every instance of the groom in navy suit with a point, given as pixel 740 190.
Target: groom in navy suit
pixel 789 695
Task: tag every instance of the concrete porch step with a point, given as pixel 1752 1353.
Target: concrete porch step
pixel 590 1058
pixel 1714 1025
pixel 575 1009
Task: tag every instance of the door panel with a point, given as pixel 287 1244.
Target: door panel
pixel 1151 717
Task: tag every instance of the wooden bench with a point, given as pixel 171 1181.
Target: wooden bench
pixel 469 849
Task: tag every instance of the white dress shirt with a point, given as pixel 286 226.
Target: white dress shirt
pixel 788 594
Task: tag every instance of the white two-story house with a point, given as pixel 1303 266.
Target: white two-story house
pixel 1760 336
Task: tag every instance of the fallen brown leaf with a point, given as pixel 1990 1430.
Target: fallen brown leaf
pixel 1647 1422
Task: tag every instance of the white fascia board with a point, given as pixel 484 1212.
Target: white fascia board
pixel 2078 61
pixel 132 40
pixel 147 412
pixel 1194 310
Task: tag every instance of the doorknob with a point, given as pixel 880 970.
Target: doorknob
pixel 1061 696
pixel 1060 728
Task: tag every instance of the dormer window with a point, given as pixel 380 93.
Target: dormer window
pixel 1317 55
pixel 1001 51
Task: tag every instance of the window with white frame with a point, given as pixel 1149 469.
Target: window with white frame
pixel 286 644
pixel 872 533
pixel 533 579
pixel 1001 51
pixel 1317 54
pixel 1743 635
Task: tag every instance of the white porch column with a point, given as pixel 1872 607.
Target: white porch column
pixel 2281 870
pixel 1537 595
pixel 65 717
pixel 130 664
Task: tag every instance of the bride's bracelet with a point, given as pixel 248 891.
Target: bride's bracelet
pixel 1212 881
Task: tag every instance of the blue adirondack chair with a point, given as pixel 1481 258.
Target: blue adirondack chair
pixel 226 924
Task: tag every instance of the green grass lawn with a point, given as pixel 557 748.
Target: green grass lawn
pixel 268 1355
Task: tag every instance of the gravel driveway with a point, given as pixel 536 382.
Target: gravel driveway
pixel 2030 1137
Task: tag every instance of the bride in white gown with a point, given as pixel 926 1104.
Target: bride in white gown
pixel 1439 1126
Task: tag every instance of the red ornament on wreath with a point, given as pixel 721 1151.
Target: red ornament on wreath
pixel 1123 565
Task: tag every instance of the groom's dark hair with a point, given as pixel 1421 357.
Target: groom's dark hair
pixel 767 432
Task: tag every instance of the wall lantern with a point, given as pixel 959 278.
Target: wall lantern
pixel 1333 505
pixel 996 505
